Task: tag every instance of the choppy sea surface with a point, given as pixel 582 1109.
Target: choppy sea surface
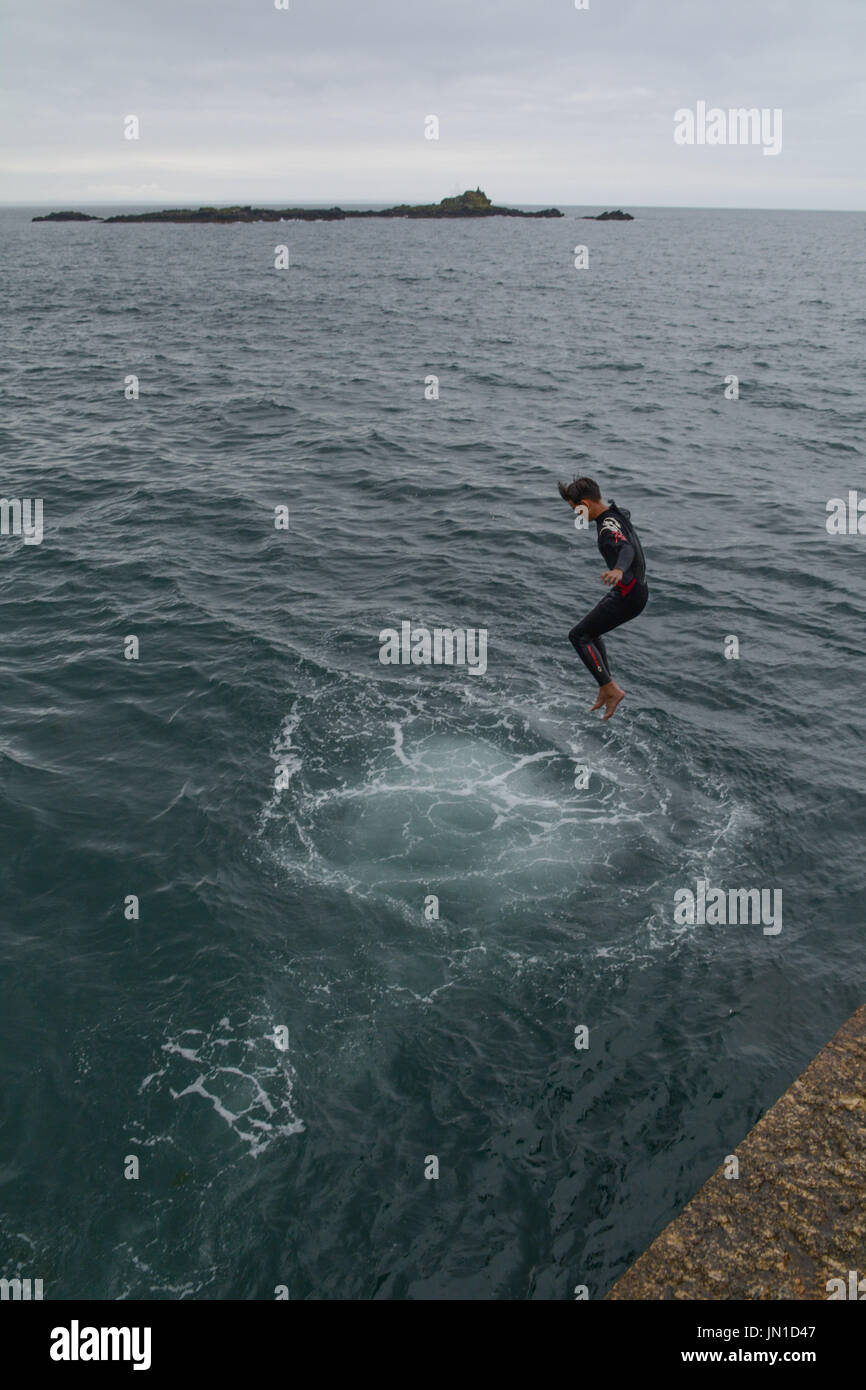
pixel 285 807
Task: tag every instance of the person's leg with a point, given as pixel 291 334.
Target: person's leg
pixel 586 639
pixel 593 654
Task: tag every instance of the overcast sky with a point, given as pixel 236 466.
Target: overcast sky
pixel 538 102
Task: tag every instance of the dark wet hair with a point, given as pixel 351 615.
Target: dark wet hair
pixel 580 488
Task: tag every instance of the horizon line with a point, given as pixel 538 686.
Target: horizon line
pixel 378 202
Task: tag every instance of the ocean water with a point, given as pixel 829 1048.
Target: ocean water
pixel 283 805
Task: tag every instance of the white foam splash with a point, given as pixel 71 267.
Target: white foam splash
pixel 246 1079
pixel 396 792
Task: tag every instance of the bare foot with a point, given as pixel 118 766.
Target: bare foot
pixel 612 701
pixel 608 695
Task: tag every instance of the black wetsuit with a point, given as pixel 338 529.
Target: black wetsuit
pixel 619 544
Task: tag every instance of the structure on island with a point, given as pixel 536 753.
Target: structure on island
pixel 467 202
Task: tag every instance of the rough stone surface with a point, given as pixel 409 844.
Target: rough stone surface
pixel 472 203
pixel 796 1215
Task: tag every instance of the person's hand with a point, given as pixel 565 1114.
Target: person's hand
pixel 612 577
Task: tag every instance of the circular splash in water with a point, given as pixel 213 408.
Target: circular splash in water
pixel 389 793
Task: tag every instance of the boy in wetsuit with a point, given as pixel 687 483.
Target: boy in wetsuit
pixel 626 575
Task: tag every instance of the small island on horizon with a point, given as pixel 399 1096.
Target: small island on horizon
pixel 472 203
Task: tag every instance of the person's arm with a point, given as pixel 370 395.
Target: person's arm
pixel 619 556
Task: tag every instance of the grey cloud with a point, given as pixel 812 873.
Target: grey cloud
pixel 539 101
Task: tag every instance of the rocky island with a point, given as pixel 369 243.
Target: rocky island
pixel 67 217
pixel 609 217
pixel 468 204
